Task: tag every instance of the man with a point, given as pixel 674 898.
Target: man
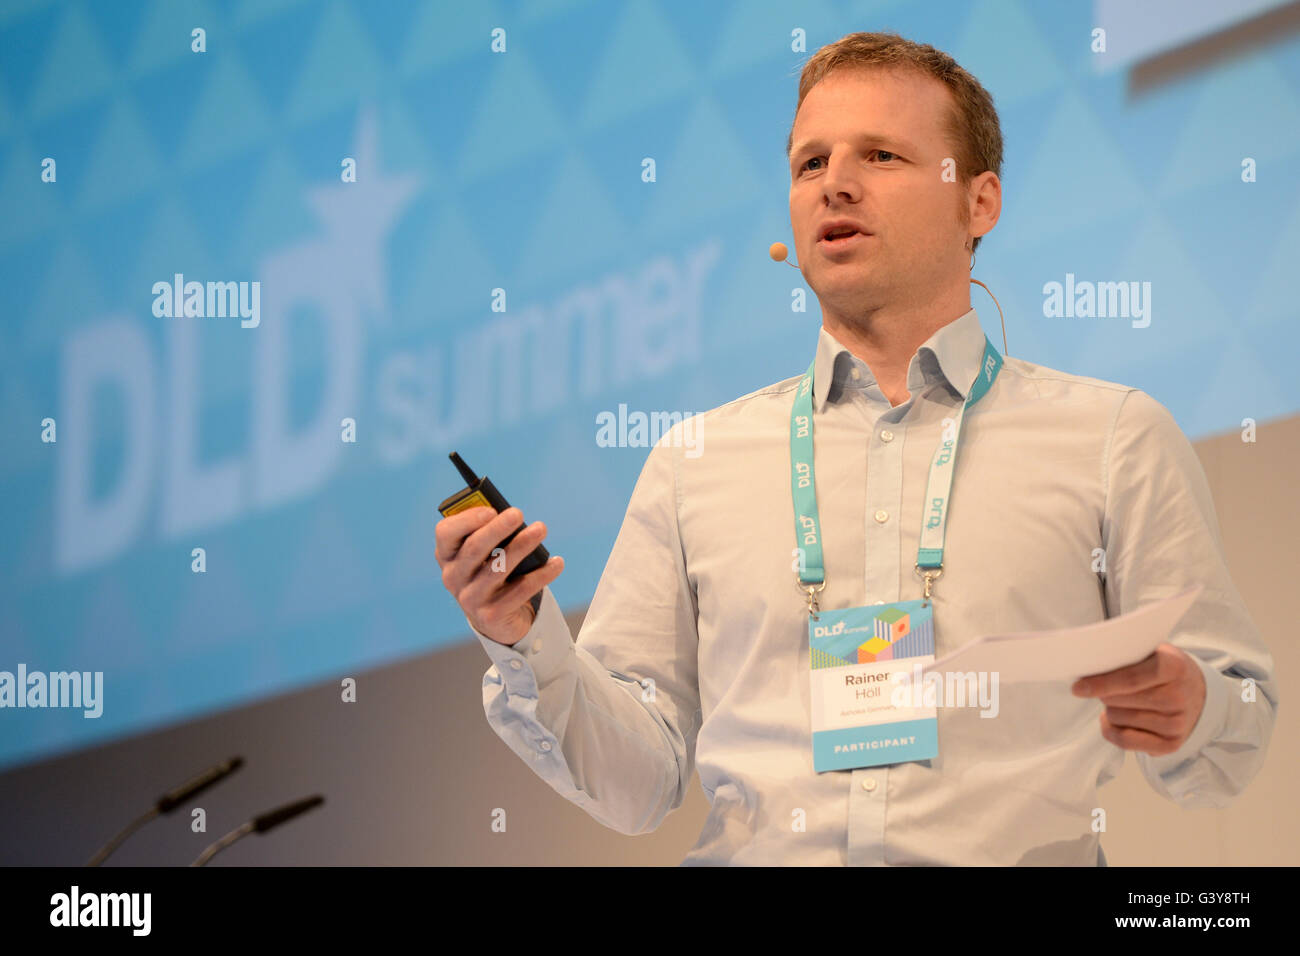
pixel 695 650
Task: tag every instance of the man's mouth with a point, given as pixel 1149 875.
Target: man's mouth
pixel 842 238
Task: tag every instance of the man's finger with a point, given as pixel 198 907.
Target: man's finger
pixel 1131 739
pixel 1123 680
pixel 532 582
pixel 517 594
pixel 1165 725
pixel 479 545
pixel 450 533
pixel 1163 699
pixel 491 574
pixel 523 544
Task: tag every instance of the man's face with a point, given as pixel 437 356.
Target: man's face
pixel 869 147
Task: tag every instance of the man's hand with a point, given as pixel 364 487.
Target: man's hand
pixel 470 572
pixel 1152 705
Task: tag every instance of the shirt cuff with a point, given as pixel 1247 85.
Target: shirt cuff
pixel 1214 714
pixel 538 655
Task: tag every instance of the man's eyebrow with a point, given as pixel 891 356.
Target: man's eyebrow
pixel 860 137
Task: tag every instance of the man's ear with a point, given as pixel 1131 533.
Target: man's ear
pixel 986 202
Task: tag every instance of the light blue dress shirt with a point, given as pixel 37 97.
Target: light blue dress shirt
pixel 694 651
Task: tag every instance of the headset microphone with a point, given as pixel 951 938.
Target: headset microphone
pixel 779 252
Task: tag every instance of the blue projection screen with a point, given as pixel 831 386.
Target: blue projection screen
pixel 266 264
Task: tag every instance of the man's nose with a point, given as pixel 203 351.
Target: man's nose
pixel 843 178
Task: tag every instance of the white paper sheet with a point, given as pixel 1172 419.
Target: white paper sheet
pixel 1073 652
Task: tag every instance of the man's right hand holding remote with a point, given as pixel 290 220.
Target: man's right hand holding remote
pixel 496 608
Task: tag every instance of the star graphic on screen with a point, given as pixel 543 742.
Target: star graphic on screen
pixel 359 215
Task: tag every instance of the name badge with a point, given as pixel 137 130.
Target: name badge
pixel 862 714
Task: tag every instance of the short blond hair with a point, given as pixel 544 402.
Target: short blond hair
pixel 972 125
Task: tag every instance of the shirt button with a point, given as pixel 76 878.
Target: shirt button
pixel 856 373
pixel 868 784
pixel 537 646
pixel 545 745
pixel 516 665
pixel 882 516
pixel 886 435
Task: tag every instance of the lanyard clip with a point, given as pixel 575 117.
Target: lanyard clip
pixel 930 575
pixel 812 590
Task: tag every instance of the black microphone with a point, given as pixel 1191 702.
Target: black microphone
pixel 168 802
pixel 260 824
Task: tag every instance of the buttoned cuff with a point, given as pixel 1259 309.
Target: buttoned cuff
pixel 537 656
pixel 1214 715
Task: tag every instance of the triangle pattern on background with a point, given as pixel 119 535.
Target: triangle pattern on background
pixel 1274 290
pixel 1229 122
pixel 688 200
pixel 31 206
pixel 448 248
pixel 21 9
pixel 448 33
pixel 1184 308
pixel 117 25
pixel 757 291
pixel 994 26
pixel 214 607
pixel 516 121
pixel 417 564
pixel 167 99
pixel 1056 196
pixel 326 575
pixel 228 118
pixel 68 298
pixel 123 161
pixel 165 34
pixel 276 215
pixel 280 40
pixel 642 64
pixel 254 11
pixel 404 147
pixel 75 69
pixel 575 196
pixel 340 66
pixel 1236 388
pixel 539 11
pixel 109 636
pixel 23 448
pixel 172 244
pixel 27 44
pixel 761 32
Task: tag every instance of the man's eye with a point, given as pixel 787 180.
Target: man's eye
pixel 883 154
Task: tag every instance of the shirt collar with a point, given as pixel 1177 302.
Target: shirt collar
pixel 953 354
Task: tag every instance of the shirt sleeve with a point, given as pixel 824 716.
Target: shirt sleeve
pixel 610 721
pixel 1161 536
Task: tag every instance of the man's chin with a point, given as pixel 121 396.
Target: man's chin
pixel 840 282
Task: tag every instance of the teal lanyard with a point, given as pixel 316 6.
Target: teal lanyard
pixel 803 488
